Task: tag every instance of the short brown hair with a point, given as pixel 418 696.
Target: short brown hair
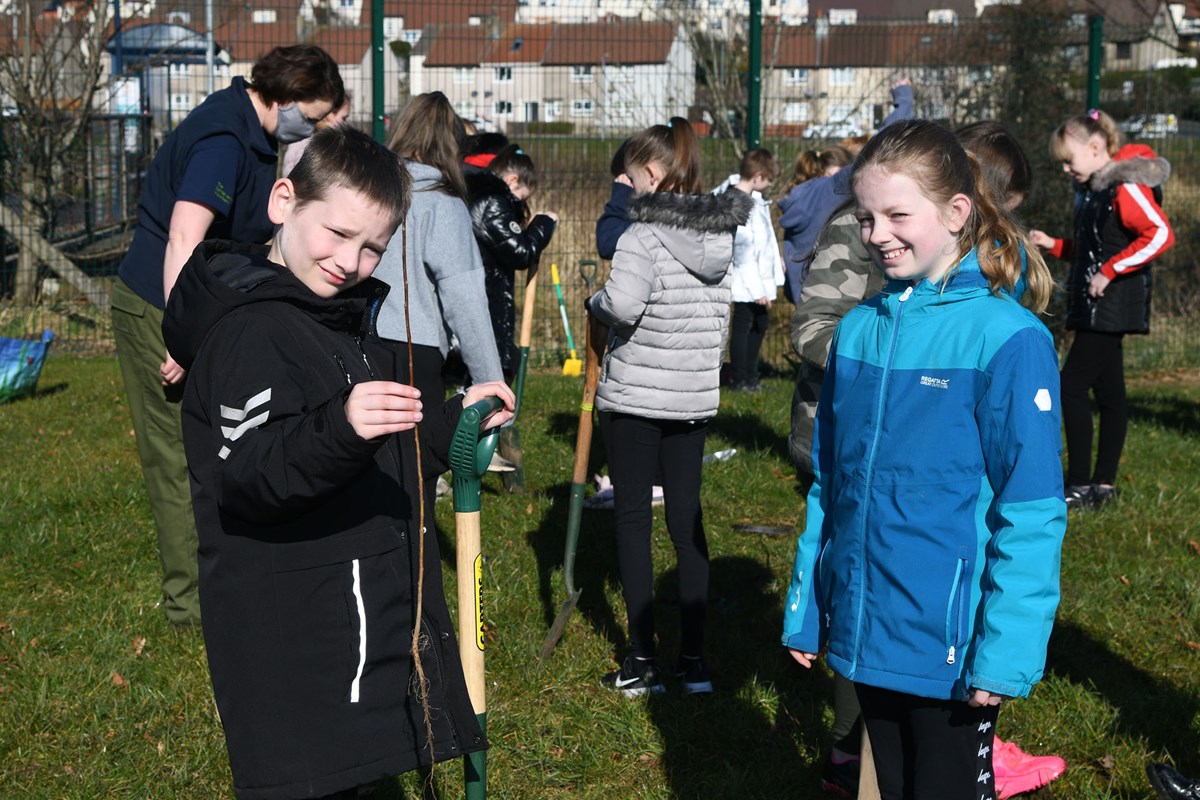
pixel 344 156
pixel 298 73
pixel 759 161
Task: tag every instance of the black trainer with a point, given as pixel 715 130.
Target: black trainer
pixel 1103 495
pixel 694 675
pixel 1079 497
pixel 635 678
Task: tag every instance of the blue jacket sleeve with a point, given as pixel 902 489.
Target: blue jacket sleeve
pixel 804 628
pixel 902 105
pixel 613 221
pixel 1019 422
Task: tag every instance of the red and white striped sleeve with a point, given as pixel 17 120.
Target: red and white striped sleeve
pixel 1139 214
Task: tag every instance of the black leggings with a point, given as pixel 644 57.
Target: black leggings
pixel 639 451
pixel 1096 364
pixel 747 328
pixel 929 749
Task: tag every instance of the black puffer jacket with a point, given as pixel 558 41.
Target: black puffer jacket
pixel 1118 221
pixel 308 556
pixel 506 246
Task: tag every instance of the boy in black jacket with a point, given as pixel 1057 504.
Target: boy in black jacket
pixel 303 472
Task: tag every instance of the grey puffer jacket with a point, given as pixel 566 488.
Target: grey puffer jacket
pixel 667 305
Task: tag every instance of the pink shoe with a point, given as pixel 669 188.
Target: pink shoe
pixel 1018 772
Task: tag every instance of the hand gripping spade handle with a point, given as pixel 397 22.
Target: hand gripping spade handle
pixel 470 454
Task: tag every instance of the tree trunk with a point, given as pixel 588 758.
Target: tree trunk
pixel 25 290
pixel 25 232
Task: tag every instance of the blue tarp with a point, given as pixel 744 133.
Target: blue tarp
pixel 21 363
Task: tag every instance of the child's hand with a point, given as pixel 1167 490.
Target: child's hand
pixel 623 178
pixel 492 389
pixel 1041 239
pixel 380 408
pixel 170 372
pixel 763 301
pixel 979 698
pixel 1098 284
pixel 805 660
pixel 902 82
pixel 549 214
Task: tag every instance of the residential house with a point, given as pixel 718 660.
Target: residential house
pixel 606 77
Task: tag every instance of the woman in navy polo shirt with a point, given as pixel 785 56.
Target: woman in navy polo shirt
pixel 210 179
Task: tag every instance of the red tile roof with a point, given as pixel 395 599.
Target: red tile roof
pixel 556 44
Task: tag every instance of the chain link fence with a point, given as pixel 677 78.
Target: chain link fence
pixel 85 101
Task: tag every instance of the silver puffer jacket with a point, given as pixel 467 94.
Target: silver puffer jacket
pixel 667 305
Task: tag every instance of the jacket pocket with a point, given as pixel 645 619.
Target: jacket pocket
pixel 322 597
pixel 955 611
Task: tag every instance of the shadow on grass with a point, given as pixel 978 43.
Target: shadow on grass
pixel 749 432
pixel 1170 412
pixel 740 741
pixel 1149 709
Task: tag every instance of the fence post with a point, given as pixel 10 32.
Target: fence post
pixel 1095 57
pixel 754 99
pixel 378 111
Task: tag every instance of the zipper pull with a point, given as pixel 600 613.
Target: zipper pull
pixel 907 293
pixel 950 656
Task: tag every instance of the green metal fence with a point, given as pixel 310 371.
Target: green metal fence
pixel 86 101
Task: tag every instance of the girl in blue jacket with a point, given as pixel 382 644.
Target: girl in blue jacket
pixel 928 570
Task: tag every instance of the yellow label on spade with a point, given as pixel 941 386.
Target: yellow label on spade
pixel 479 601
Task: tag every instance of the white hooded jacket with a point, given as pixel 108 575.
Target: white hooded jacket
pixel 757 264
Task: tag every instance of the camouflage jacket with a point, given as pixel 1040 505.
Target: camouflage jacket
pixel 840 276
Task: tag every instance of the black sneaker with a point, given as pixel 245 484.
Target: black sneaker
pixel 694 675
pixel 840 777
pixel 1102 495
pixel 635 678
pixel 1079 497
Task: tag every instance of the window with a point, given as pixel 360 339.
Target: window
pixel 621 108
pixel 464 75
pixel 474 19
pixel 581 73
pixel 581 108
pixel 841 77
pixel 942 16
pixel 180 70
pixel 795 112
pixel 181 101
pixel 179 18
pixel 346 3
pixel 263 16
pixel 464 108
pixel 392 28
pixel 1072 52
pixel 795 76
pixel 503 75
pixel 1078 20
pixel 1124 51
pixel 553 110
pixel 502 107
pixel 412 37
pixel 843 16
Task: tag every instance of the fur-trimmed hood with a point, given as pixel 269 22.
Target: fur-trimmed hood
pixel 706 213
pixel 696 229
pixel 1133 163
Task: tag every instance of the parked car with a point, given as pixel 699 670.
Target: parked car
pixel 832 130
pixel 1151 126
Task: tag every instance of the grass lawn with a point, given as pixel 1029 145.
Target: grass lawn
pixel 100 698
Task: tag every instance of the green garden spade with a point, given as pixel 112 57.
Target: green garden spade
pixel 510 437
pixel 597 335
pixel 470 455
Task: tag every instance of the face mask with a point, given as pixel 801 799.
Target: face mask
pixel 293 125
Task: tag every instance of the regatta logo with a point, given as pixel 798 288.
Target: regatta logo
pixel 1042 400
pixel 242 419
pixel 936 383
